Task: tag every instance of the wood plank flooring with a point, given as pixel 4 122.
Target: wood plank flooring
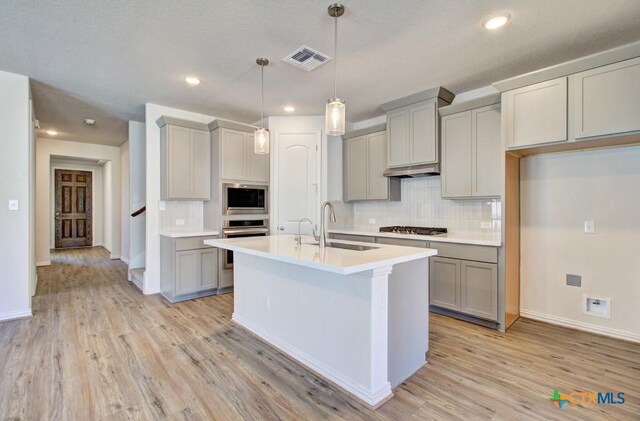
pixel 97 348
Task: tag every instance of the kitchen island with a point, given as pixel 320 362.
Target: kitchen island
pixel 356 315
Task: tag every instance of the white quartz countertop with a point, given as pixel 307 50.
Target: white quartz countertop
pixel 188 233
pixel 493 239
pixel 283 248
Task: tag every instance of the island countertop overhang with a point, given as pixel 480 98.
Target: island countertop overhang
pixel 283 248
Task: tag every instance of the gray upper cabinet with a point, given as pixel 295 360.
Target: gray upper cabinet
pixel 456 176
pixel 185 150
pixel 606 100
pixel 535 114
pixel 471 148
pixel 238 160
pixel 412 134
pixel 365 160
pixel 356 168
pixel 486 151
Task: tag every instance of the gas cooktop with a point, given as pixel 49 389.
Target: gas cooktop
pixel 400 229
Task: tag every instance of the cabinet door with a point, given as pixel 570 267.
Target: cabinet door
pixel 200 165
pixel 257 164
pixel 378 187
pixel 356 168
pixel 208 268
pixel 187 276
pixel 178 162
pixel 233 154
pixel 398 138
pixel 456 155
pixel 479 289
pixel 444 282
pixel 536 114
pixel 486 150
pixel 606 100
pixel 424 133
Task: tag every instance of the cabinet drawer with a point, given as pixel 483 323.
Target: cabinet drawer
pixel 349 237
pixel 401 242
pixel 192 243
pixel 466 252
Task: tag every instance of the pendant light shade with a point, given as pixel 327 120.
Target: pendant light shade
pixel 334 113
pixel 261 136
pixel 261 141
pixel 335 109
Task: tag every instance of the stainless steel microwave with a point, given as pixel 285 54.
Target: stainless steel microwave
pixel 244 199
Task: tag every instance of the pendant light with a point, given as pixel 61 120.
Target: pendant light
pixel 261 136
pixel 335 109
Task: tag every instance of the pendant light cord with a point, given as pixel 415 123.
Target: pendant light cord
pixel 335 53
pixel 261 94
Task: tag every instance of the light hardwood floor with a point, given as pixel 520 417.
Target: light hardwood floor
pixel 96 348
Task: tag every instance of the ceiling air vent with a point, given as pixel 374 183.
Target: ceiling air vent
pixel 307 58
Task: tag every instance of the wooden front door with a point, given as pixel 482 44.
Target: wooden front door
pixel 73 208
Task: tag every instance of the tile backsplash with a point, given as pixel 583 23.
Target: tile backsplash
pixel 422 205
pixel 190 212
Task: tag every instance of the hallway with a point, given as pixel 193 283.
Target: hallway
pixel 96 348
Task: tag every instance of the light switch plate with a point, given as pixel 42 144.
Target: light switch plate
pixel 590 227
pixel 372 221
pixel 14 204
pixel 179 221
pixel 162 206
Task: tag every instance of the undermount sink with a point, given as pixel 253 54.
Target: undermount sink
pixel 356 247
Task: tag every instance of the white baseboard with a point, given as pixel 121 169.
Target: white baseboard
pixel 115 257
pixel 124 260
pixel 373 398
pixel 44 263
pixel 586 327
pixel 13 315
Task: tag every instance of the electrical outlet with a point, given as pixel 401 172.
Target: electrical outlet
pixel 179 221
pixel 372 221
pixel 486 225
pixel 14 204
pixel 162 206
pixel 590 227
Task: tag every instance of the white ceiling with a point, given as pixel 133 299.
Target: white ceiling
pixel 105 60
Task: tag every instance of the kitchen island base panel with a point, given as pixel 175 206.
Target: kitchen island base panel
pixel 338 326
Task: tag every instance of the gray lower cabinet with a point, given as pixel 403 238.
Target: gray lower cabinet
pixel 466 286
pixel 350 237
pixel 444 282
pixel 189 268
pixel 479 289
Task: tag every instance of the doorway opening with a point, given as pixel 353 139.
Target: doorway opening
pixel 73 208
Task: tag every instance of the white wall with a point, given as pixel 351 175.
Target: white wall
pixel 137 193
pixel 45 149
pixel 558 193
pixel 184 210
pixel 124 202
pixel 15 182
pixel 97 200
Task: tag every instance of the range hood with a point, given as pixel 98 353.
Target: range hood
pixel 414 171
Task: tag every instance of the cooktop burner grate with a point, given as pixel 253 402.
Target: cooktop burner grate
pixel 401 229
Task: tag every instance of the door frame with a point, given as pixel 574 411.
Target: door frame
pixel 89 203
pixel 274 187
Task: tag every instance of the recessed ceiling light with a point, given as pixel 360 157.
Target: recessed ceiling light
pixel 192 80
pixel 496 21
pixel 289 108
pixel 89 121
pixel 52 132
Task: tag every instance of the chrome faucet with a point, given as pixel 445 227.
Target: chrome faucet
pixel 323 225
pixel 299 237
